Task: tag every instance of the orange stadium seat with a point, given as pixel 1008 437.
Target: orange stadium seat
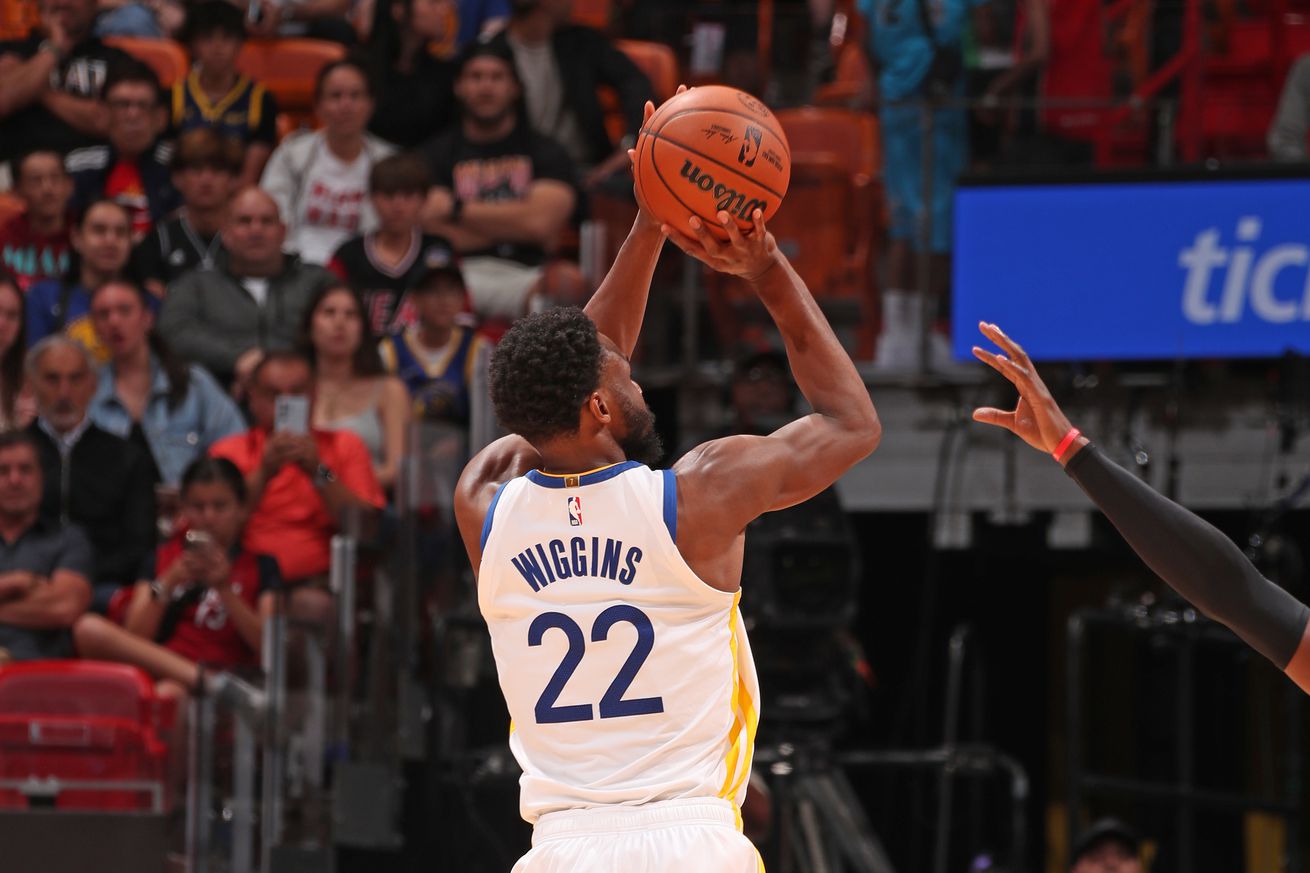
pixel 73 732
pixel 592 13
pixel 288 68
pixel 10 206
pixel 659 64
pixel 165 57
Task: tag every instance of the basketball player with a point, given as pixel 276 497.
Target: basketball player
pixel 610 589
pixel 1194 558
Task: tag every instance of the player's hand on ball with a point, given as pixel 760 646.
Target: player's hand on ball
pixel 1036 418
pixel 644 213
pixel 748 255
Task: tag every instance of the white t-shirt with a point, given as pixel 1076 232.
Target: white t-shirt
pixel 330 208
pixel 258 289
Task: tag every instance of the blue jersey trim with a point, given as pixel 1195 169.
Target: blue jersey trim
pixel 554 480
pixel 491 511
pixel 671 503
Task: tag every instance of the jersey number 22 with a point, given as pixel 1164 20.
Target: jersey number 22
pixel 612 704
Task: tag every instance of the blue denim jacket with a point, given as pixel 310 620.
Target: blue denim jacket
pixel 176 436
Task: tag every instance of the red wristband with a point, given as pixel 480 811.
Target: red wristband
pixel 1063 447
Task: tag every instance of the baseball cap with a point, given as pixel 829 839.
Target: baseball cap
pixel 1106 830
pixel 438 259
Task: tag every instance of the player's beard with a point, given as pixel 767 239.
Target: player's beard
pixel 642 442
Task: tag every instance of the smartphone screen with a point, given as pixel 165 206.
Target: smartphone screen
pixel 291 414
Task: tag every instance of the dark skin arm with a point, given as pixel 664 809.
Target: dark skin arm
pixel 1193 558
pixel 725 484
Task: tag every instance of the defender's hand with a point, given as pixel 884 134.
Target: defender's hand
pixel 749 255
pixel 1036 418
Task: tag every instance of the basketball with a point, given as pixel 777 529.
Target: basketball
pixel 712 149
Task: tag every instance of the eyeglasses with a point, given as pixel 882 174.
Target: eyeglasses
pixel 124 105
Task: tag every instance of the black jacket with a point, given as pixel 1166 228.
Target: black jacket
pixel 108 490
pixel 588 59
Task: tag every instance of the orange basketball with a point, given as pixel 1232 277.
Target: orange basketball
pixel 709 149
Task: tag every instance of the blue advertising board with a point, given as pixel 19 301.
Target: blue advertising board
pixel 1135 270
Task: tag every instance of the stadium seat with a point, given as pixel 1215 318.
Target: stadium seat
pixel 591 13
pixel 659 64
pixel 164 56
pixel 288 68
pixel 10 206
pixel 73 734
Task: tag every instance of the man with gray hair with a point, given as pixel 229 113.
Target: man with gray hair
pixel 100 482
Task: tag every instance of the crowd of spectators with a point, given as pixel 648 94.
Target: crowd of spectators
pixel 217 338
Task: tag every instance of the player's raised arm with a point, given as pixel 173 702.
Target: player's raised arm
pixel 1194 558
pixel 742 477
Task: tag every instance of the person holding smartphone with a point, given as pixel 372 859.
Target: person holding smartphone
pixel 300 480
pixel 202 598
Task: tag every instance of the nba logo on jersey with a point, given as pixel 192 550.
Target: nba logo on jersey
pixel 575 511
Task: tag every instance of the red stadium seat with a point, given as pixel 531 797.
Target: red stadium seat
pixel 10 206
pixel 82 735
pixel 164 56
pixel 288 68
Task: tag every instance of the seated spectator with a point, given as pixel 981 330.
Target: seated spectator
pixel 45 565
pixel 561 65
pixel 205 169
pixel 503 193
pixel 216 95
pixel 319 178
pixel 53 81
pixel 101 247
pixel 17 408
pixel 382 266
pixel 415 96
pixel 34 245
pixel 170 410
pixel 92 478
pixel 1291 125
pixel 201 598
pixel 1108 846
pixel 132 169
pixel 436 358
pixel 300 484
pixel 351 389
pixel 251 302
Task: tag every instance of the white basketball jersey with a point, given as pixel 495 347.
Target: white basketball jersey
pixel 628 679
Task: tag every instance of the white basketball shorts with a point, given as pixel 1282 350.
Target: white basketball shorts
pixel 697 835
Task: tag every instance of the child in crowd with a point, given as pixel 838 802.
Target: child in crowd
pixel 383 266
pixel 438 358
pixel 34 244
pixel 215 95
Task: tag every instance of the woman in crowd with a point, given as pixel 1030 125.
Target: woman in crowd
pixel 204 600
pixel 147 394
pixel 102 245
pixel 17 408
pixel 416 91
pixel 352 390
pixel 320 178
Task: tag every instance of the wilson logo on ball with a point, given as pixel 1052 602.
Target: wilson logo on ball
pixel 729 200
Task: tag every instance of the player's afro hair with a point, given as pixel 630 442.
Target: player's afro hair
pixel 542 371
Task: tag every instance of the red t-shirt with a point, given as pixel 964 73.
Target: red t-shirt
pixel 291 522
pixel 124 187
pixel 203 631
pixel 33 256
